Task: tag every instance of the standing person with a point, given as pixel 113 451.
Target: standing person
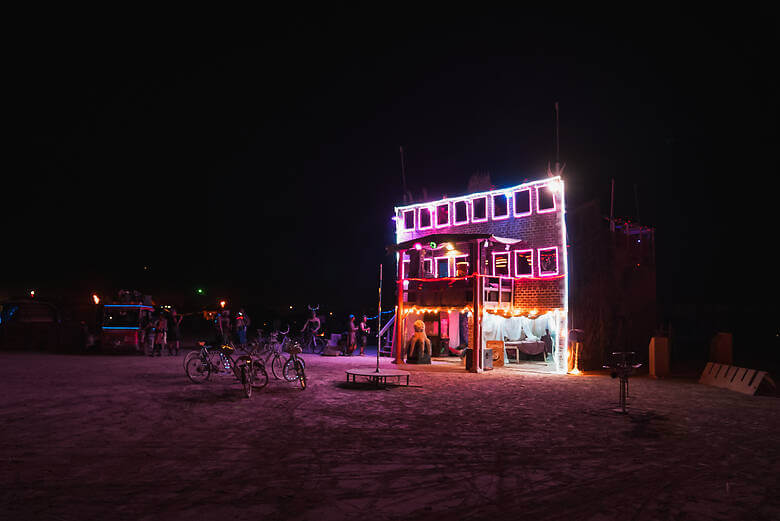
pixel 160 334
pixel 242 323
pixel 310 328
pixel 223 326
pixel 351 335
pixel 174 331
pixel 547 341
pixel 149 322
pixel 363 333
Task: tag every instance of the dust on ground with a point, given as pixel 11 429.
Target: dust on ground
pixel 131 438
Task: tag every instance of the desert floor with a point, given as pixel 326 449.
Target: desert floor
pixel 123 437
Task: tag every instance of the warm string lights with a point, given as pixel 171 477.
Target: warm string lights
pixel 414 309
pixel 529 313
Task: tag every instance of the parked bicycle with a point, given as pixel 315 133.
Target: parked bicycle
pixel 273 350
pixel 250 373
pixel 294 369
pixel 313 342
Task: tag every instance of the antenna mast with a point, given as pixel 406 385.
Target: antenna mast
pixel 407 196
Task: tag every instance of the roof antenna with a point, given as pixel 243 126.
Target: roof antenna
pixel 558 166
pixel 407 196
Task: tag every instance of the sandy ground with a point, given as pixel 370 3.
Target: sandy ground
pixel 131 438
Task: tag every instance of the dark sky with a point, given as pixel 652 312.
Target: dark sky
pixel 269 170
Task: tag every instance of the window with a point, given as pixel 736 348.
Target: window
pixel 548 262
pixel 443 215
pixel 501 264
pixel 408 220
pixel 461 266
pixel 406 265
pixel 461 212
pixel 427 268
pixel 442 267
pixel 522 202
pixel 500 207
pixel 524 263
pixel 545 198
pixel 479 210
pixel 425 221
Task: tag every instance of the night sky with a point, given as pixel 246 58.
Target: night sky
pixel 268 171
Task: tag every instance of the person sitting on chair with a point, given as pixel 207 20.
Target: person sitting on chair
pixel 418 349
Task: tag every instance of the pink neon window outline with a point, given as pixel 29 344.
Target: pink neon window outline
pixel 531 257
pixel 403 220
pixel 514 203
pixel 427 266
pixel 449 218
pixel 548 273
pixel 473 214
pixel 455 221
pixel 419 219
pixel 548 210
pixel 461 259
pixel 436 265
pixel 500 217
pixel 508 266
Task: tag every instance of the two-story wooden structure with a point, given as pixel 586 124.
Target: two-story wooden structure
pixel 485 266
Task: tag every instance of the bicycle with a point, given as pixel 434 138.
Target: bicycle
pixel 312 342
pixel 199 368
pixel 214 354
pixel 294 369
pixel 275 348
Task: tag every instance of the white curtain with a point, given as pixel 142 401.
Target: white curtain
pixel 496 327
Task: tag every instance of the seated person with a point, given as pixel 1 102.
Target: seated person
pixel 418 348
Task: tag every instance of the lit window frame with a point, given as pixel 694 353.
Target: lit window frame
pixel 530 205
pixel 455 264
pixel 546 186
pixel 436 266
pixel 455 221
pixel 403 220
pixel 557 261
pixel 493 204
pixel 425 272
pixel 419 218
pixel 436 214
pixel 508 264
pixel 523 275
pixel 487 214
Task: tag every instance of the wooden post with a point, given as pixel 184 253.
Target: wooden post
pixel 476 338
pixel 398 337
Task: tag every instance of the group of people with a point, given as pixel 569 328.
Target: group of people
pixel 357 336
pixel 229 327
pixel 161 332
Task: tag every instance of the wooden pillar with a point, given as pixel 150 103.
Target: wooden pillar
pixel 476 338
pixel 398 337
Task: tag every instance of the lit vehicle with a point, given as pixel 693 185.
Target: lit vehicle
pixel 122 325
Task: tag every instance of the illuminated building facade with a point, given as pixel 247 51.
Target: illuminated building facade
pixel 485 266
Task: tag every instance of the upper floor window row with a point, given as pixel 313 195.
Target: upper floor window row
pixel 480 209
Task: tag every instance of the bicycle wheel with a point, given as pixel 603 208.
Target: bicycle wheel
pixel 277 367
pixel 292 368
pixel 187 358
pixel 301 374
pixel 246 380
pixel 198 370
pixel 259 375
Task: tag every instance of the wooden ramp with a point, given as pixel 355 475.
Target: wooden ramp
pixel 740 379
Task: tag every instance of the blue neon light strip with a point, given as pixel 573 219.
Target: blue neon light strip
pixel 119 327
